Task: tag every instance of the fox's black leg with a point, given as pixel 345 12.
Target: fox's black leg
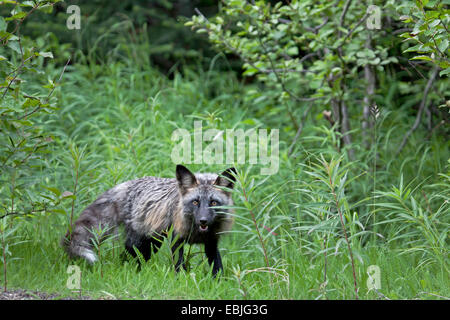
pixel 178 245
pixel 145 245
pixel 213 255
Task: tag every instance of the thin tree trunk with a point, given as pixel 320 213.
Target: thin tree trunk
pixel 422 107
pixel 336 111
pixel 335 118
pixel 345 130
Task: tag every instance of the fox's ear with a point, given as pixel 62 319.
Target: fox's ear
pixel 226 179
pixel 185 178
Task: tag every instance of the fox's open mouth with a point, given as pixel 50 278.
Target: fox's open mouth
pixel 203 227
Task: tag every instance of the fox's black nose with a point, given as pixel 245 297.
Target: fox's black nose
pixel 203 221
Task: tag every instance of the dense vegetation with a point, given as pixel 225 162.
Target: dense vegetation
pixel 362 109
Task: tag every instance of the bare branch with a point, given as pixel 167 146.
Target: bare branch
pixel 307 56
pixel 344 13
pixel 317 28
pixel 353 30
pixel 49 95
pixel 442 122
pixel 22 213
pixel 422 106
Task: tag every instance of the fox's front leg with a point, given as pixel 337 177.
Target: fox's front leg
pixel 213 255
pixel 179 245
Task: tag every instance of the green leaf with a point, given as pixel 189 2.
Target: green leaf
pixel 5 36
pixel 17 16
pixel 61 211
pixel 375 61
pixel 68 194
pixel 427 58
pixel 46 54
pixel 3 24
pixel 47 8
pixel 443 45
pixel 250 71
pixel 434 23
pixel 27 4
pixel 444 72
pixel 53 190
pixel 293 51
pixel 416 48
pixel 14 45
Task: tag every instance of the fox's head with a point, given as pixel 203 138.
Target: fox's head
pixel 203 195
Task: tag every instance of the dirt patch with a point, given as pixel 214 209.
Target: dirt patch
pixel 20 294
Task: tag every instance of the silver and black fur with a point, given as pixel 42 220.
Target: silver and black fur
pixel 148 207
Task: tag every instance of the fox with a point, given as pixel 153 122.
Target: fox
pixel 193 206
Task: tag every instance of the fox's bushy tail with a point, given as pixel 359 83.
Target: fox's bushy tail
pixel 78 245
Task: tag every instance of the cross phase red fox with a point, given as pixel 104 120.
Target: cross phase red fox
pixel 148 207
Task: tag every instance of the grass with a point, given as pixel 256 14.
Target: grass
pixel 115 123
pixel 43 266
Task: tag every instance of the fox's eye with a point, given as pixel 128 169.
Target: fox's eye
pixel 213 203
pixel 195 202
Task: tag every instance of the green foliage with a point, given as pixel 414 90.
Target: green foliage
pixel 23 141
pixel 299 47
pixel 430 20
